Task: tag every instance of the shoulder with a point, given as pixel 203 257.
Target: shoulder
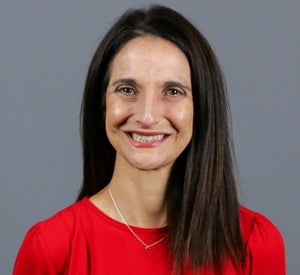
pixel 46 245
pixel 263 241
pixel 60 226
pixel 65 219
pixel 256 225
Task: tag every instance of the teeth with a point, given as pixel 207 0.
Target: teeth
pixel 142 138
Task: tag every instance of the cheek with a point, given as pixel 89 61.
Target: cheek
pixel 184 118
pixel 115 113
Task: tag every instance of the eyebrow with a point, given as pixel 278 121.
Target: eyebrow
pixel 132 82
pixel 128 81
pixel 177 84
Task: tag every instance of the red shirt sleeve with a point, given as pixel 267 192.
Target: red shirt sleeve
pixel 33 256
pixel 45 248
pixel 265 248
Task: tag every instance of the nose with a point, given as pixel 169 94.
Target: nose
pixel 148 109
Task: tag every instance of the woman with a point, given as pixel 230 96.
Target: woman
pixel 159 191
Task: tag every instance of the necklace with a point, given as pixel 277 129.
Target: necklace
pixel 147 246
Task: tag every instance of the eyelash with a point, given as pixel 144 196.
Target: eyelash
pixel 126 90
pixel 175 92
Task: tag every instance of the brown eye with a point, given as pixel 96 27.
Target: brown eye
pixel 126 90
pixel 175 92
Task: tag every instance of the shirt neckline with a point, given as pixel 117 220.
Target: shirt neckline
pixel 98 212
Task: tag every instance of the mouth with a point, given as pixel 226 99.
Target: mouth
pixel 146 138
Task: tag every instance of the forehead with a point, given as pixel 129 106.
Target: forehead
pixel 153 56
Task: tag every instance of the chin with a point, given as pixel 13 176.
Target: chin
pixel 150 166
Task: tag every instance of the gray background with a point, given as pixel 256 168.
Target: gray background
pixel 45 49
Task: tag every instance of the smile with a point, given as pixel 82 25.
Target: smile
pixel 145 139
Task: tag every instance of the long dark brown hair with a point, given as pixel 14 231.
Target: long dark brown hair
pixel 201 197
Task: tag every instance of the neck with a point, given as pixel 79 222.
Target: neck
pixel 140 195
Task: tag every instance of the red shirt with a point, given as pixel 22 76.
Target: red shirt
pixel 83 240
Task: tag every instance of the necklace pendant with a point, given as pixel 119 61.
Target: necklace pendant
pixel 147 246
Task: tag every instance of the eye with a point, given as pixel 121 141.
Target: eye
pixel 175 92
pixel 125 90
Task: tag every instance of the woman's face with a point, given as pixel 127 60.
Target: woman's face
pixel 149 103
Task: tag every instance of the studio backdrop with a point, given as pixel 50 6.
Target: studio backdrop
pixel 45 49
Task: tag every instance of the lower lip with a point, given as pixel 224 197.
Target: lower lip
pixel 148 144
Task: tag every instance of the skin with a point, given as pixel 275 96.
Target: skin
pixel 149 121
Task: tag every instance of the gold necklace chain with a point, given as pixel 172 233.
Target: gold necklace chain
pixel 147 246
